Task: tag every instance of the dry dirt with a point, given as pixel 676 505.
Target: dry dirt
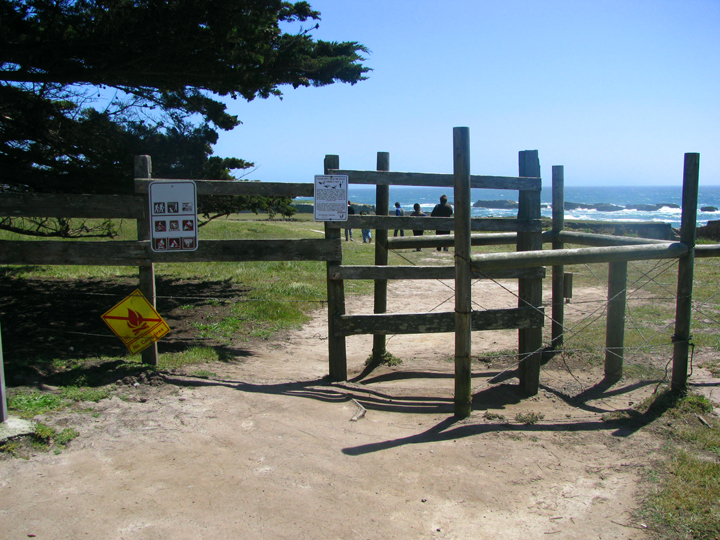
pixel 268 449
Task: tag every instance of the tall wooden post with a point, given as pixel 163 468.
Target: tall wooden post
pixel 382 203
pixel 615 327
pixel 558 272
pixel 686 269
pixel 463 272
pixel 529 289
pixel 143 169
pixel 3 395
pixel 336 297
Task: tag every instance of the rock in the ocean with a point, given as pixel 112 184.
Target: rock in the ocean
pixel 495 204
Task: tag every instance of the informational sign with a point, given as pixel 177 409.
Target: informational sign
pixel 173 216
pixel 135 322
pixel 331 198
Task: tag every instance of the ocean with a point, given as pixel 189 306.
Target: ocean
pixel 623 196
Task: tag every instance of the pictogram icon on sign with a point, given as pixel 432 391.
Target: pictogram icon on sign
pixel 135 321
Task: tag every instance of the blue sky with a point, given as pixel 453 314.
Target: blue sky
pixel 615 90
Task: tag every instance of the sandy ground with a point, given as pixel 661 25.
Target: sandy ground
pixel 268 449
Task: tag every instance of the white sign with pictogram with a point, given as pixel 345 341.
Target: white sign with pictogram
pixel 331 198
pixel 173 216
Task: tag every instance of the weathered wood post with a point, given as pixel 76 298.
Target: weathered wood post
pixel 3 395
pixel 686 269
pixel 558 272
pixel 382 203
pixel 336 296
pixel 615 326
pixel 143 169
pixel 529 289
pixel 463 272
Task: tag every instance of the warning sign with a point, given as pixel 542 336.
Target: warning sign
pixel 135 322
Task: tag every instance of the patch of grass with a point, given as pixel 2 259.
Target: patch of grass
pixel 77 394
pixel 387 359
pixel 615 416
pixel 194 355
pixel 686 503
pixel 713 366
pixel 686 500
pixel 489 415
pixel 66 435
pixel 12 448
pixel 529 418
pixel 203 374
pixel 31 403
pixel 641 371
pixel 44 439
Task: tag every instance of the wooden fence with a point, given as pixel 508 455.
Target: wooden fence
pixel 526 265
pixel 138 253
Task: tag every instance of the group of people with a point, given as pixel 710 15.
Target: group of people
pixel 443 209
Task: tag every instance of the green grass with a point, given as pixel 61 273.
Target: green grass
pixel 33 403
pixel 684 500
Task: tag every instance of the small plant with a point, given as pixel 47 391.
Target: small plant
pixel 529 418
pixel 386 359
pixel 12 448
pixel 489 415
pixel 66 435
pixel 43 436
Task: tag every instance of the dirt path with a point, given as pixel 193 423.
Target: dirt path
pixel 267 449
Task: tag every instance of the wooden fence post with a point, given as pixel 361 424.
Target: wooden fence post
pixel 336 296
pixel 686 269
pixel 463 272
pixel 558 272
pixel 615 326
pixel 143 169
pixel 3 395
pixel 382 203
pixel 529 289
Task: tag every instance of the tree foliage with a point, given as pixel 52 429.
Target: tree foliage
pixel 87 84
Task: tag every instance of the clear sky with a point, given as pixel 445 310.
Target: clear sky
pixel 615 90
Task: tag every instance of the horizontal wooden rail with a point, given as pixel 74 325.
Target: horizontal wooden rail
pixel 446 240
pixel 707 250
pixel 59 205
pixel 427 272
pixel 138 253
pixel 238 188
pixel 435 223
pixel 390 178
pixel 492 261
pixel 601 240
pixel 429 323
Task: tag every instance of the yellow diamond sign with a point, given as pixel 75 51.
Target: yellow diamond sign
pixel 135 322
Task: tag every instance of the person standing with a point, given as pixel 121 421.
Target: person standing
pixel 348 231
pixel 399 212
pixel 417 213
pixel 442 210
pixel 367 234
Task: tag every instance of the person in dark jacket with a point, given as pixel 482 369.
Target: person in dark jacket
pixel 442 210
pixel 417 213
pixel 348 232
pixel 399 212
